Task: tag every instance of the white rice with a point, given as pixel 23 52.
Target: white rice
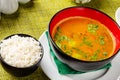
pixel 20 51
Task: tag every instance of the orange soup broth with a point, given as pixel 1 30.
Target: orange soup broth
pixel 86 39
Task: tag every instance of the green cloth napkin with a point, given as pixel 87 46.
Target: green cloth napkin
pixel 65 69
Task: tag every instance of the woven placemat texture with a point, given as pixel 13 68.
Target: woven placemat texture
pixel 34 18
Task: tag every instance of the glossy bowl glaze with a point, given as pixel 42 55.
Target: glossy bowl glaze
pixel 24 71
pixel 76 64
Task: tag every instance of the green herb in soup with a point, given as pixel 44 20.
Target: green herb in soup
pixel 84 39
pixel 93 28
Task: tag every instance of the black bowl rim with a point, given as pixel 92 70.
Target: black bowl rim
pixel 24 35
pixel 74 59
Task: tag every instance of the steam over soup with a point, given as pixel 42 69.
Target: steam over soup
pixel 84 39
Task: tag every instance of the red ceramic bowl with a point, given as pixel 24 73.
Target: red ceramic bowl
pixel 80 65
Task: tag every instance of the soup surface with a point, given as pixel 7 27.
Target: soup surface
pixel 83 38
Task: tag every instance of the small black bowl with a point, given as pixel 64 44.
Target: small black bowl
pixel 24 71
pixel 81 65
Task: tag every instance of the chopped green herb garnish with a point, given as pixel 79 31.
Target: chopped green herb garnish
pixel 92 28
pixel 60 38
pixel 101 40
pixel 95 56
pixel 80 52
pixel 56 36
pixel 58 44
pixel 76 49
pixel 64 47
pixel 64 38
pixel 87 42
pixel 105 53
pixel 69 52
